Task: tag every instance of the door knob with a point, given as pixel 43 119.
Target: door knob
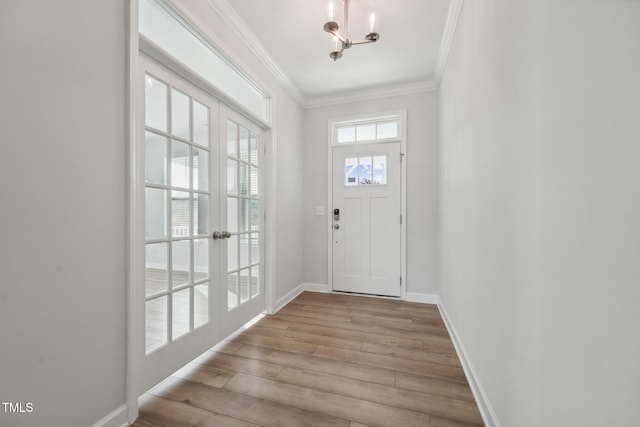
pixel 336 226
pixel 226 234
pixel 218 235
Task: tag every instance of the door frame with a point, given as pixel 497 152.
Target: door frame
pixel 133 149
pixel 401 115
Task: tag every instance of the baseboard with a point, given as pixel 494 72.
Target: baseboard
pixel 293 293
pixel 116 418
pixel 423 298
pixel 482 400
pixel 316 287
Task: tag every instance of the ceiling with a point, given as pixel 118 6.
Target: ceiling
pixel 291 32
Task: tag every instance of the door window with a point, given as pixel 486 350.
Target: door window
pixel 177 197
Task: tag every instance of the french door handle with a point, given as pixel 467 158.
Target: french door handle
pixel 221 235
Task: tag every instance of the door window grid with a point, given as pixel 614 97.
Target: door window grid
pixel 243 209
pixel 176 255
pixel 365 170
pixel 366 131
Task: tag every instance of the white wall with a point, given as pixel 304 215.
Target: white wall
pixel 62 250
pixel 422 157
pixel 288 136
pixel 540 207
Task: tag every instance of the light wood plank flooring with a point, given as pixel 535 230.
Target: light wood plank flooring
pixel 324 360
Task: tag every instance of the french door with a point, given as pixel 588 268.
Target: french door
pixel 203 240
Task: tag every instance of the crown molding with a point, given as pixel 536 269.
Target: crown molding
pixel 367 95
pixel 455 7
pixel 231 17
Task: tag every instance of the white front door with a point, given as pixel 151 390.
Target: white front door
pixel 366 219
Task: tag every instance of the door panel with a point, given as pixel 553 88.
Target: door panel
pixel 242 159
pixel 180 133
pixel 366 237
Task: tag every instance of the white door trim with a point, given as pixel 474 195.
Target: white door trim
pixel 402 116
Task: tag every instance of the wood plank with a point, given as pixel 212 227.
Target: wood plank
pixel 432 385
pixel 348 334
pixel 341 406
pixel 208 375
pixel 387 395
pixel 329 322
pixel 452 373
pixel 307 337
pixel 236 363
pixel 242 406
pixel 161 412
pixel 411 354
pixel 286 344
pixel 319 364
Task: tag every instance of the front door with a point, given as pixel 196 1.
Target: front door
pixel 366 226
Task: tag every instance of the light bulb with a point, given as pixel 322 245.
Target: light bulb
pixel 331 8
pixel 372 22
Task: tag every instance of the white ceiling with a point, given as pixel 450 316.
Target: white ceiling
pixel 291 31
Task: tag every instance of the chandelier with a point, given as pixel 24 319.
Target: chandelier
pixel 343 42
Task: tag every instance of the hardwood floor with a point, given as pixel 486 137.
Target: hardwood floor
pixel 324 360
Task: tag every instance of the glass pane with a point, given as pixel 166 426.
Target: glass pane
pixel 156 268
pixel 155 216
pixel 387 130
pixel 366 132
pixel 244 179
pixel 200 214
pixel 232 177
pixel 365 171
pixel 232 253
pixel 380 169
pixel 255 150
pixel 244 144
pixel 255 215
pixel 180 165
pixel 255 181
pixel 244 250
pixel 200 259
pixel 155 103
pixel 232 139
pixel 200 169
pixel 346 134
pixel 180 312
pixel 351 171
pixel 200 124
pixel 255 248
pixel 156 323
pixel 244 285
pixel 244 215
pixel 232 290
pixel 232 215
pixel 179 214
pixel 155 158
pixel 181 263
pixel 180 114
pixel 254 287
pixel 200 305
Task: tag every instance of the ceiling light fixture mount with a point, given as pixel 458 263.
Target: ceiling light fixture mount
pixel 343 42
